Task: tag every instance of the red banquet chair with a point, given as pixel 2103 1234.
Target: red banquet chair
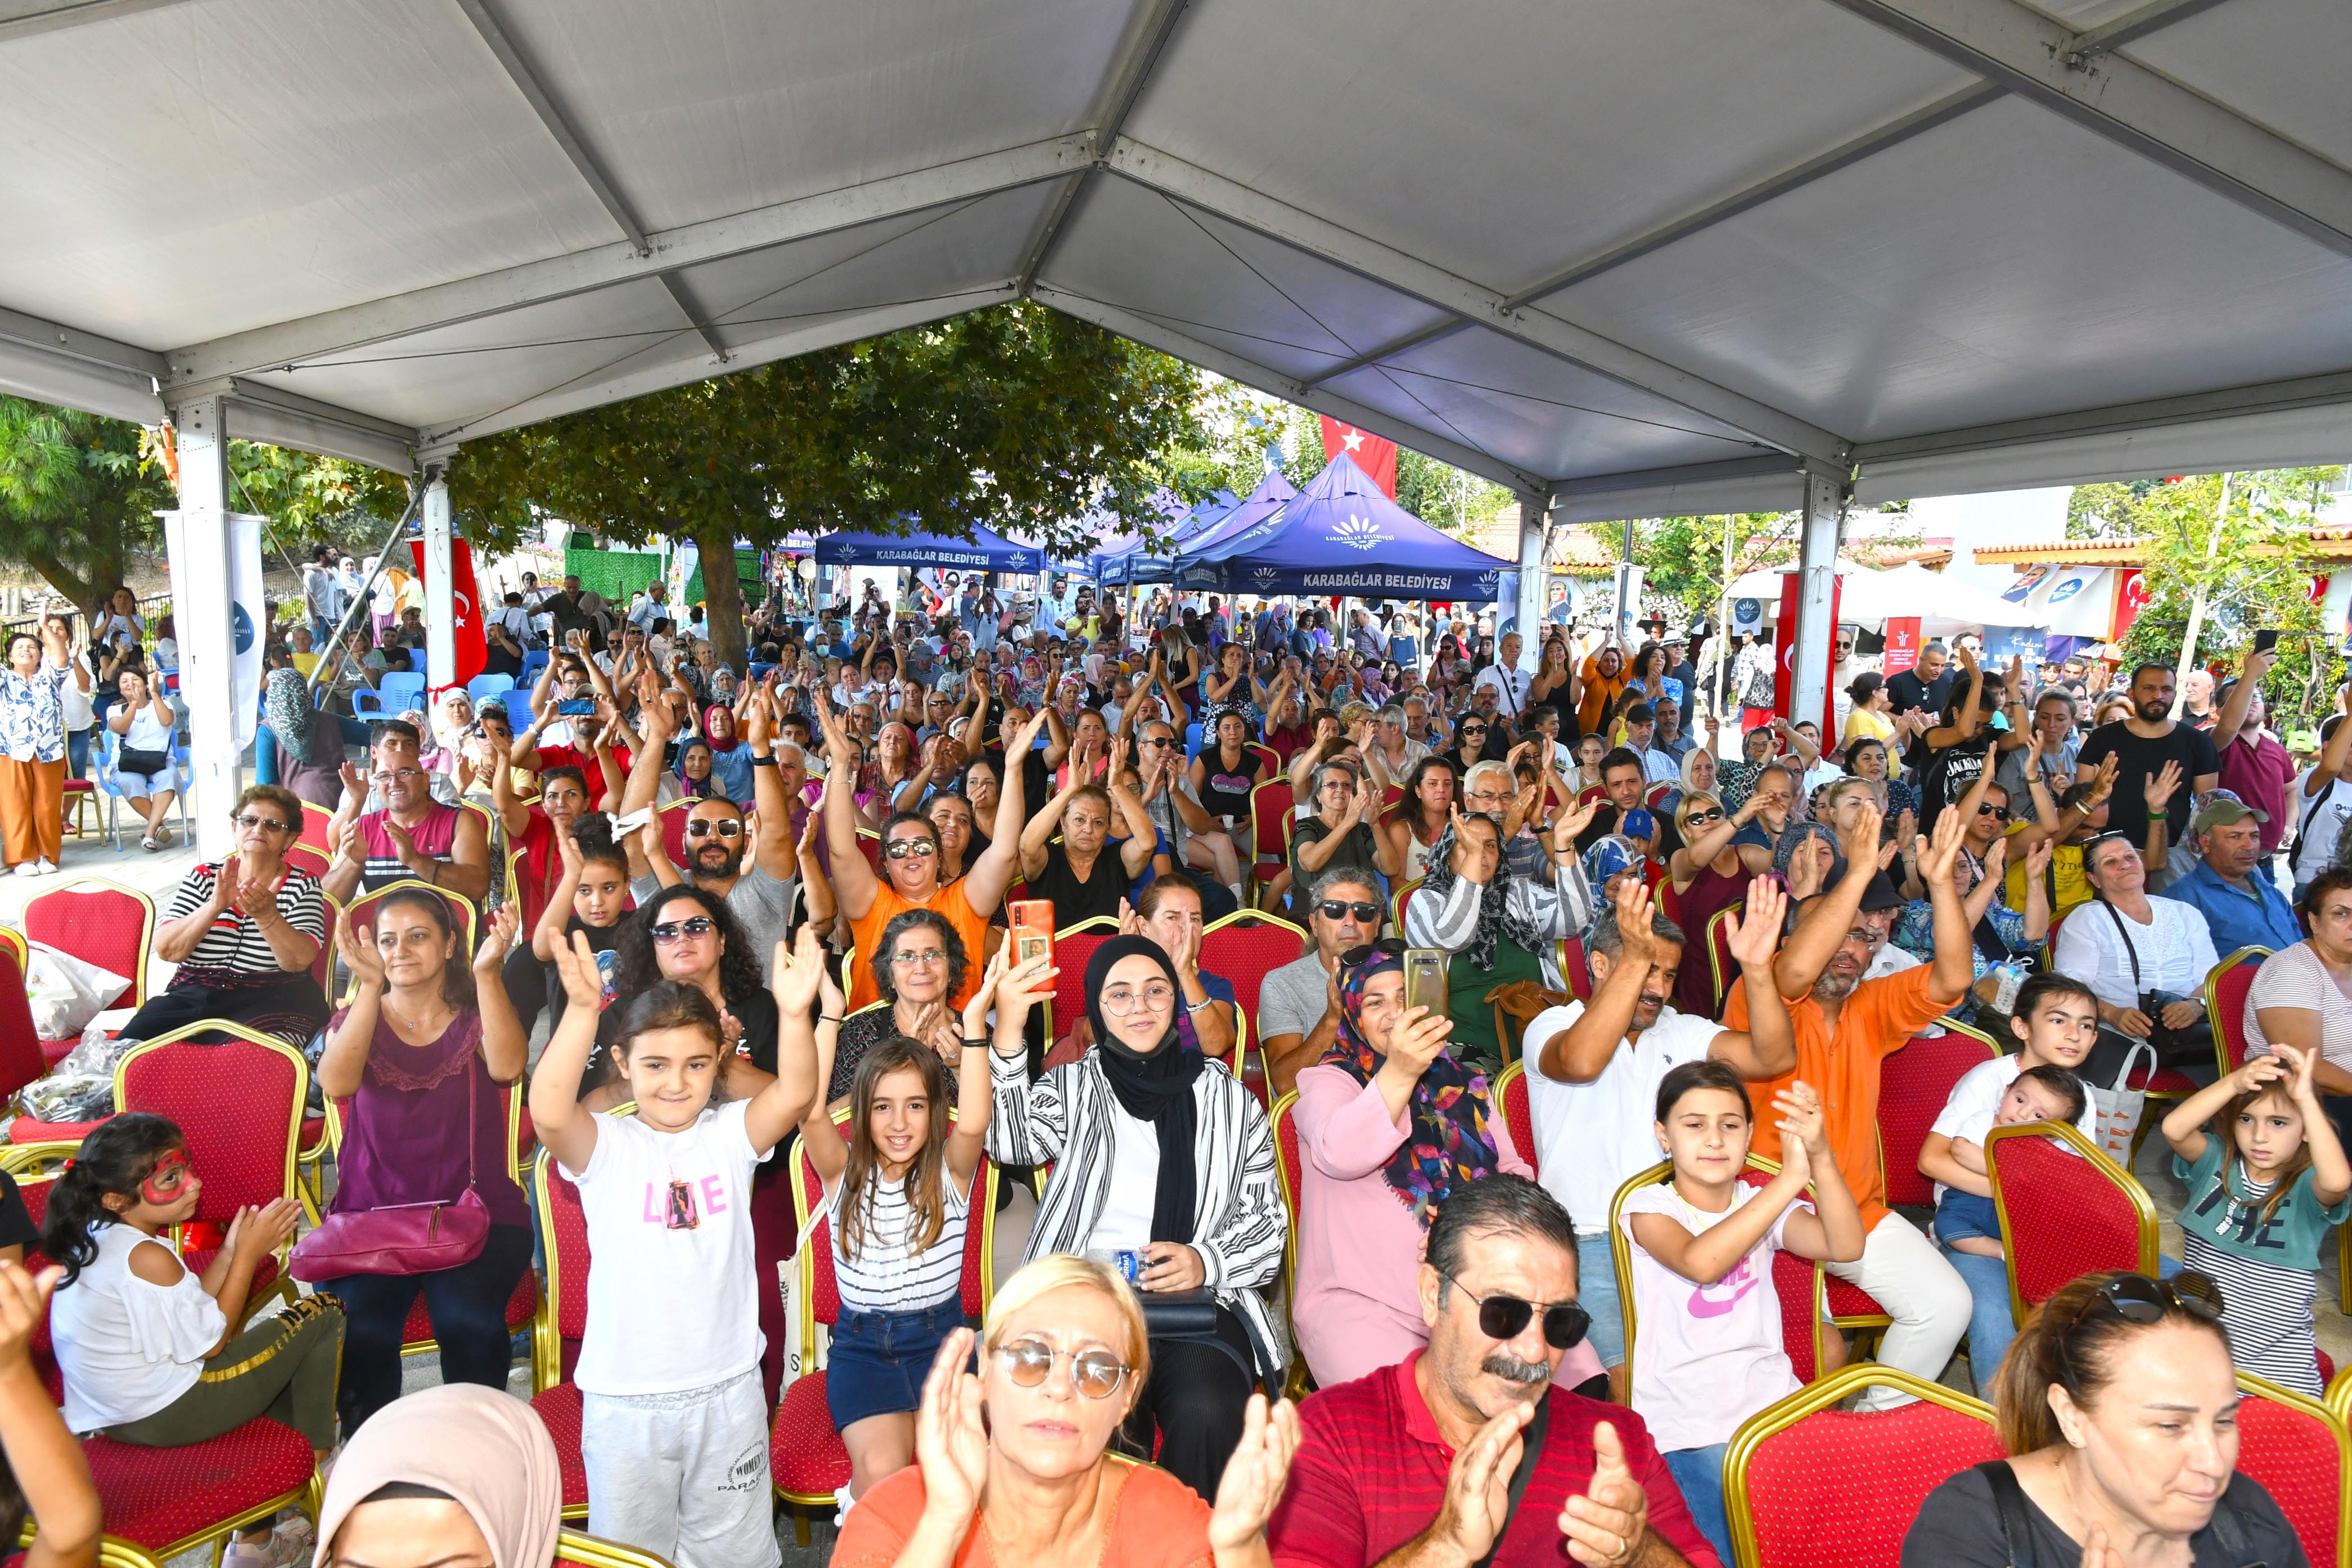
pixel 1797 1282
pixel 807 1464
pixel 100 922
pixel 2299 1450
pixel 160 1502
pixel 1510 1093
pixel 2065 1211
pixel 1072 946
pixel 1289 1178
pixel 2226 989
pixel 1721 967
pixel 1789 1475
pixel 1245 947
pixel 560 1323
pixel 573 1550
pixel 21 1058
pixel 1576 968
pixel 1913 1085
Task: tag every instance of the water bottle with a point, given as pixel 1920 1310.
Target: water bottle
pixel 2005 997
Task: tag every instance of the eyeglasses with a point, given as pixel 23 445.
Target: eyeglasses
pixel 672 931
pixel 264 824
pixel 1156 998
pixel 1987 808
pixel 1715 815
pixel 2136 1299
pixel 1160 740
pixel 909 960
pixel 1565 1323
pixel 1095 1374
pixel 921 848
pixel 397 775
pixel 703 827
pixel 1341 909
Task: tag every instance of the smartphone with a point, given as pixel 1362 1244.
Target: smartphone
pixel 1424 979
pixel 2265 640
pixel 1031 920
pixel 576 708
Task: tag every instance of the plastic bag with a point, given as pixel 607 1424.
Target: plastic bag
pixel 82 1087
pixel 66 993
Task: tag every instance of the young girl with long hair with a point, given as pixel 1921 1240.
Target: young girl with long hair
pixel 898 1192
pixel 592 897
pixel 2267 1178
pixel 674 1427
pixel 1421 818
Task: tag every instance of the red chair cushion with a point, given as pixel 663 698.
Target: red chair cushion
pixel 26 1130
pixel 314 1130
pixel 559 1411
pixel 804 1453
pixel 153 1497
pixel 265 1273
pixel 2293 1456
pixel 1847 1300
pixel 1805 1520
pixel 54 1051
pixel 521 1307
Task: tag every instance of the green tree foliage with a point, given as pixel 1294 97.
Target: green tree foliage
pixel 77 495
pixel 1016 418
pixel 1682 557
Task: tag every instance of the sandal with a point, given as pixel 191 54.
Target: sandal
pixel 149 845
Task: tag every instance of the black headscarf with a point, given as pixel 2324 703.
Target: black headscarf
pixel 1154 1087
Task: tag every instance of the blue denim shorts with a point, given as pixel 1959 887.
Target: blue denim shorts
pixel 878 1359
pixel 1596 1289
pixel 1964 1215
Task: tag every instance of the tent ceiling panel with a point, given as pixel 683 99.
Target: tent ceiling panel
pixel 1341 109
pixel 206 167
pixel 2004 265
pixel 2278 61
pixel 701 109
pixel 1135 247
pixel 1538 412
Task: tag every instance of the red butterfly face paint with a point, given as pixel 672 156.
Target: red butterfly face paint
pixel 168 1182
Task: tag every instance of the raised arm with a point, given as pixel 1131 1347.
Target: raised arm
pixel 854 886
pixel 504 1044
pixel 1822 929
pixel 984 883
pixel 1769 1047
pixel 776 847
pixel 792 1094
pixel 564 1126
pixel 1039 832
pixel 1582 1052
pixel 556 916
pixel 1954 964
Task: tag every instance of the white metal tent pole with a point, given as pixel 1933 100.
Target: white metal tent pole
pixel 1722 630
pixel 440 608
pixel 2196 601
pixel 207 607
pixel 1823 530
pixel 1532 506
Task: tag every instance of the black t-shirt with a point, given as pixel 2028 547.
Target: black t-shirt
pixel 604 942
pixel 16 1227
pixel 2140 760
pixel 1959 1526
pixel 1946 775
pixel 1906 690
pixel 1075 900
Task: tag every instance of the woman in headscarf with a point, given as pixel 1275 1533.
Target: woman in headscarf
pixel 730 760
pixel 1498 927
pixel 1389 1123
pixel 1163 1163
pixel 451 1474
pixel 697 778
pixel 309 753
pixel 1806 858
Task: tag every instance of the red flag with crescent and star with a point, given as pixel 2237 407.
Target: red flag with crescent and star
pixel 468 641
pixel 1375 456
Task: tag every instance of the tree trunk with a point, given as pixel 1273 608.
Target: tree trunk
pixel 87 591
pixel 722 594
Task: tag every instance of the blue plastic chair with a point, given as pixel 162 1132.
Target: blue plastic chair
pixel 519 714
pixel 487 686
pixel 1192 741
pixel 109 745
pixel 394 695
pixel 533 662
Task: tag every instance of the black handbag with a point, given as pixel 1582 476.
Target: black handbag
pixel 146 764
pixel 1178 1314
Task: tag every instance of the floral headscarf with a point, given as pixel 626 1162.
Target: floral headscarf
pixel 1494 912
pixel 287 705
pixel 1449 1110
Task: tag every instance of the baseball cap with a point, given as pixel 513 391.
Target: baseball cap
pixel 1882 895
pixel 2220 811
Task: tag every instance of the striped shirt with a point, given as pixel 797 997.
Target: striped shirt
pixel 235 946
pixel 434 837
pixel 1558 907
pixel 2267 1266
pixel 887 1275
pixel 1067 1118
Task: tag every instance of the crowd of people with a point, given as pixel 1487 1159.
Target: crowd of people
pixel 786 913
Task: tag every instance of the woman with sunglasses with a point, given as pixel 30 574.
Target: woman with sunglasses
pixel 1017 1457
pixel 244 932
pixel 2118 1406
pixel 1166 1162
pixel 687 934
pixel 1390 1123
pixel 1475 741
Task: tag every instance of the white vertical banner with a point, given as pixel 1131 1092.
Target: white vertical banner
pixel 248 611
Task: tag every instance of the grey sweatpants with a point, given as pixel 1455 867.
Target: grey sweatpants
pixel 683 1476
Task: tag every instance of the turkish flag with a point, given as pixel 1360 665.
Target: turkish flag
pixel 1375 456
pixel 1784 639
pixel 470 644
pixel 2131 598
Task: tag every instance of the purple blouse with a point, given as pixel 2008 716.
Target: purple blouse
pixel 404 1130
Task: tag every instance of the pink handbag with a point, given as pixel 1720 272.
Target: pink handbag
pixel 400 1238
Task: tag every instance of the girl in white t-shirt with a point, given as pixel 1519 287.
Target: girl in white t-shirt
pixel 1709 1354
pixel 673 1424
pixel 897 1192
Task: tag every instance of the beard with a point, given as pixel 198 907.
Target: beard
pixel 2152 713
pixel 1833 987
pixel 717 860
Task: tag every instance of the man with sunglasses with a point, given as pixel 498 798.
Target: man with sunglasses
pixel 1417 1465
pixel 1298 1004
pixel 1845 1025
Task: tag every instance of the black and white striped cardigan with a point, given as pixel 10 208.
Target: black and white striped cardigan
pixel 1064 1119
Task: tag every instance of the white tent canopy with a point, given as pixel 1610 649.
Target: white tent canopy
pixel 1870 599
pixel 1639 258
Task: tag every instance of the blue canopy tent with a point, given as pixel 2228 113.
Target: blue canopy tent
pixel 1342 535
pixel 1273 493
pixel 983 552
pixel 1137 564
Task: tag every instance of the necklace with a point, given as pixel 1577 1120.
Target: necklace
pixel 416 1025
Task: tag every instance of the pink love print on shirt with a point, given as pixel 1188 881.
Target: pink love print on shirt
pixel 1739 1281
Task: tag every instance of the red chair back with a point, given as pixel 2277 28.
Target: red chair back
pixel 1272 758
pixel 1268 802
pixel 2225 1004
pixel 1246 947
pixel 1072 946
pixel 1913 1085
pixel 1575 968
pixel 2065 1211
pixel 1720 965
pixel 239 1103
pixel 98 923
pixel 1790 1474
pixel 35 1191
pixel 563 1234
pixel 2303 1458
pixel 1510 1090
pixel 21 1061
pixel 1289 1175
pixel 672 818
pixel 462 913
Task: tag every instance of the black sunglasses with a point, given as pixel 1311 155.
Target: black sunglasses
pixel 1341 909
pixel 1565 1323
pixel 1713 814
pixel 669 931
pixel 1987 808
pixel 2136 1299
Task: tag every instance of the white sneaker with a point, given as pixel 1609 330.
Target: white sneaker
pixel 27 869
pixel 45 867
pixel 290 1543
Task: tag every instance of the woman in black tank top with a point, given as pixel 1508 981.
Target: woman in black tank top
pixel 1224 775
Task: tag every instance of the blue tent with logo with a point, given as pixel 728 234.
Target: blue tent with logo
pixel 1138 563
pixel 1273 493
pixel 1342 535
pixel 983 552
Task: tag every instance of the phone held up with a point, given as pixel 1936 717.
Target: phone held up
pixel 1425 980
pixel 1031 920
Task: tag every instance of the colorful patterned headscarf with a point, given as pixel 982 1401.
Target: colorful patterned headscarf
pixel 1448 1141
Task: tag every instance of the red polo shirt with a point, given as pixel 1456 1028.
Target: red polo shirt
pixel 1370 1476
